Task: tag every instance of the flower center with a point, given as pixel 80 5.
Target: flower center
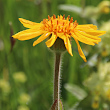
pixel 59 25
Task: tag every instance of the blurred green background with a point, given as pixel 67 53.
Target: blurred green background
pixel 26 72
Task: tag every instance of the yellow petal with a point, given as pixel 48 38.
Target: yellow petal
pixel 93 32
pixel 41 38
pixel 27 34
pixel 87 26
pixel 28 24
pixel 68 45
pixel 80 51
pixel 82 39
pixel 89 36
pixel 60 35
pixel 93 26
pixel 66 40
pixel 51 41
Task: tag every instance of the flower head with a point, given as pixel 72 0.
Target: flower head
pixel 19 77
pixel 62 28
pixel 5 86
pixel 104 6
pixel 95 103
pixel 24 98
pixel 105 44
pixel 23 107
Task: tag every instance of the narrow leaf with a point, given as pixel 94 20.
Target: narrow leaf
pixel 78 92
pixel 61 105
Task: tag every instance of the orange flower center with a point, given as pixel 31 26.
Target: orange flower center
pixel 59 25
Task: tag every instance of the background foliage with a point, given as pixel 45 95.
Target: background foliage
pixel 36 64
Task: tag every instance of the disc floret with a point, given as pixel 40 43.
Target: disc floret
pixel 59 24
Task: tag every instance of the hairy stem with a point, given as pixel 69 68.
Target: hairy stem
pixel 57 79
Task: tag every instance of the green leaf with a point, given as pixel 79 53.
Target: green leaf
pixel 78 92
pixel 71 8
pixel 61 105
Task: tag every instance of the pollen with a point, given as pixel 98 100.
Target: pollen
pixel 59 24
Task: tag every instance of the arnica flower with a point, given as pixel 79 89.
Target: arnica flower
pixel 5 86
pixel 95 103
pixel 108 94
pixel 24 98
pixel 20 77
pixel 62 28
pixel 23 107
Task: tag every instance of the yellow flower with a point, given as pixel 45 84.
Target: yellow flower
pixel 104 6
pixel 108 94
pixel 22 107
pixel 20 77
pixel 95 103
pixel 62 28
pixel 5 86
pixel 24 98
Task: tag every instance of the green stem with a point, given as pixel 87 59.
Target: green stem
pixel 57 79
